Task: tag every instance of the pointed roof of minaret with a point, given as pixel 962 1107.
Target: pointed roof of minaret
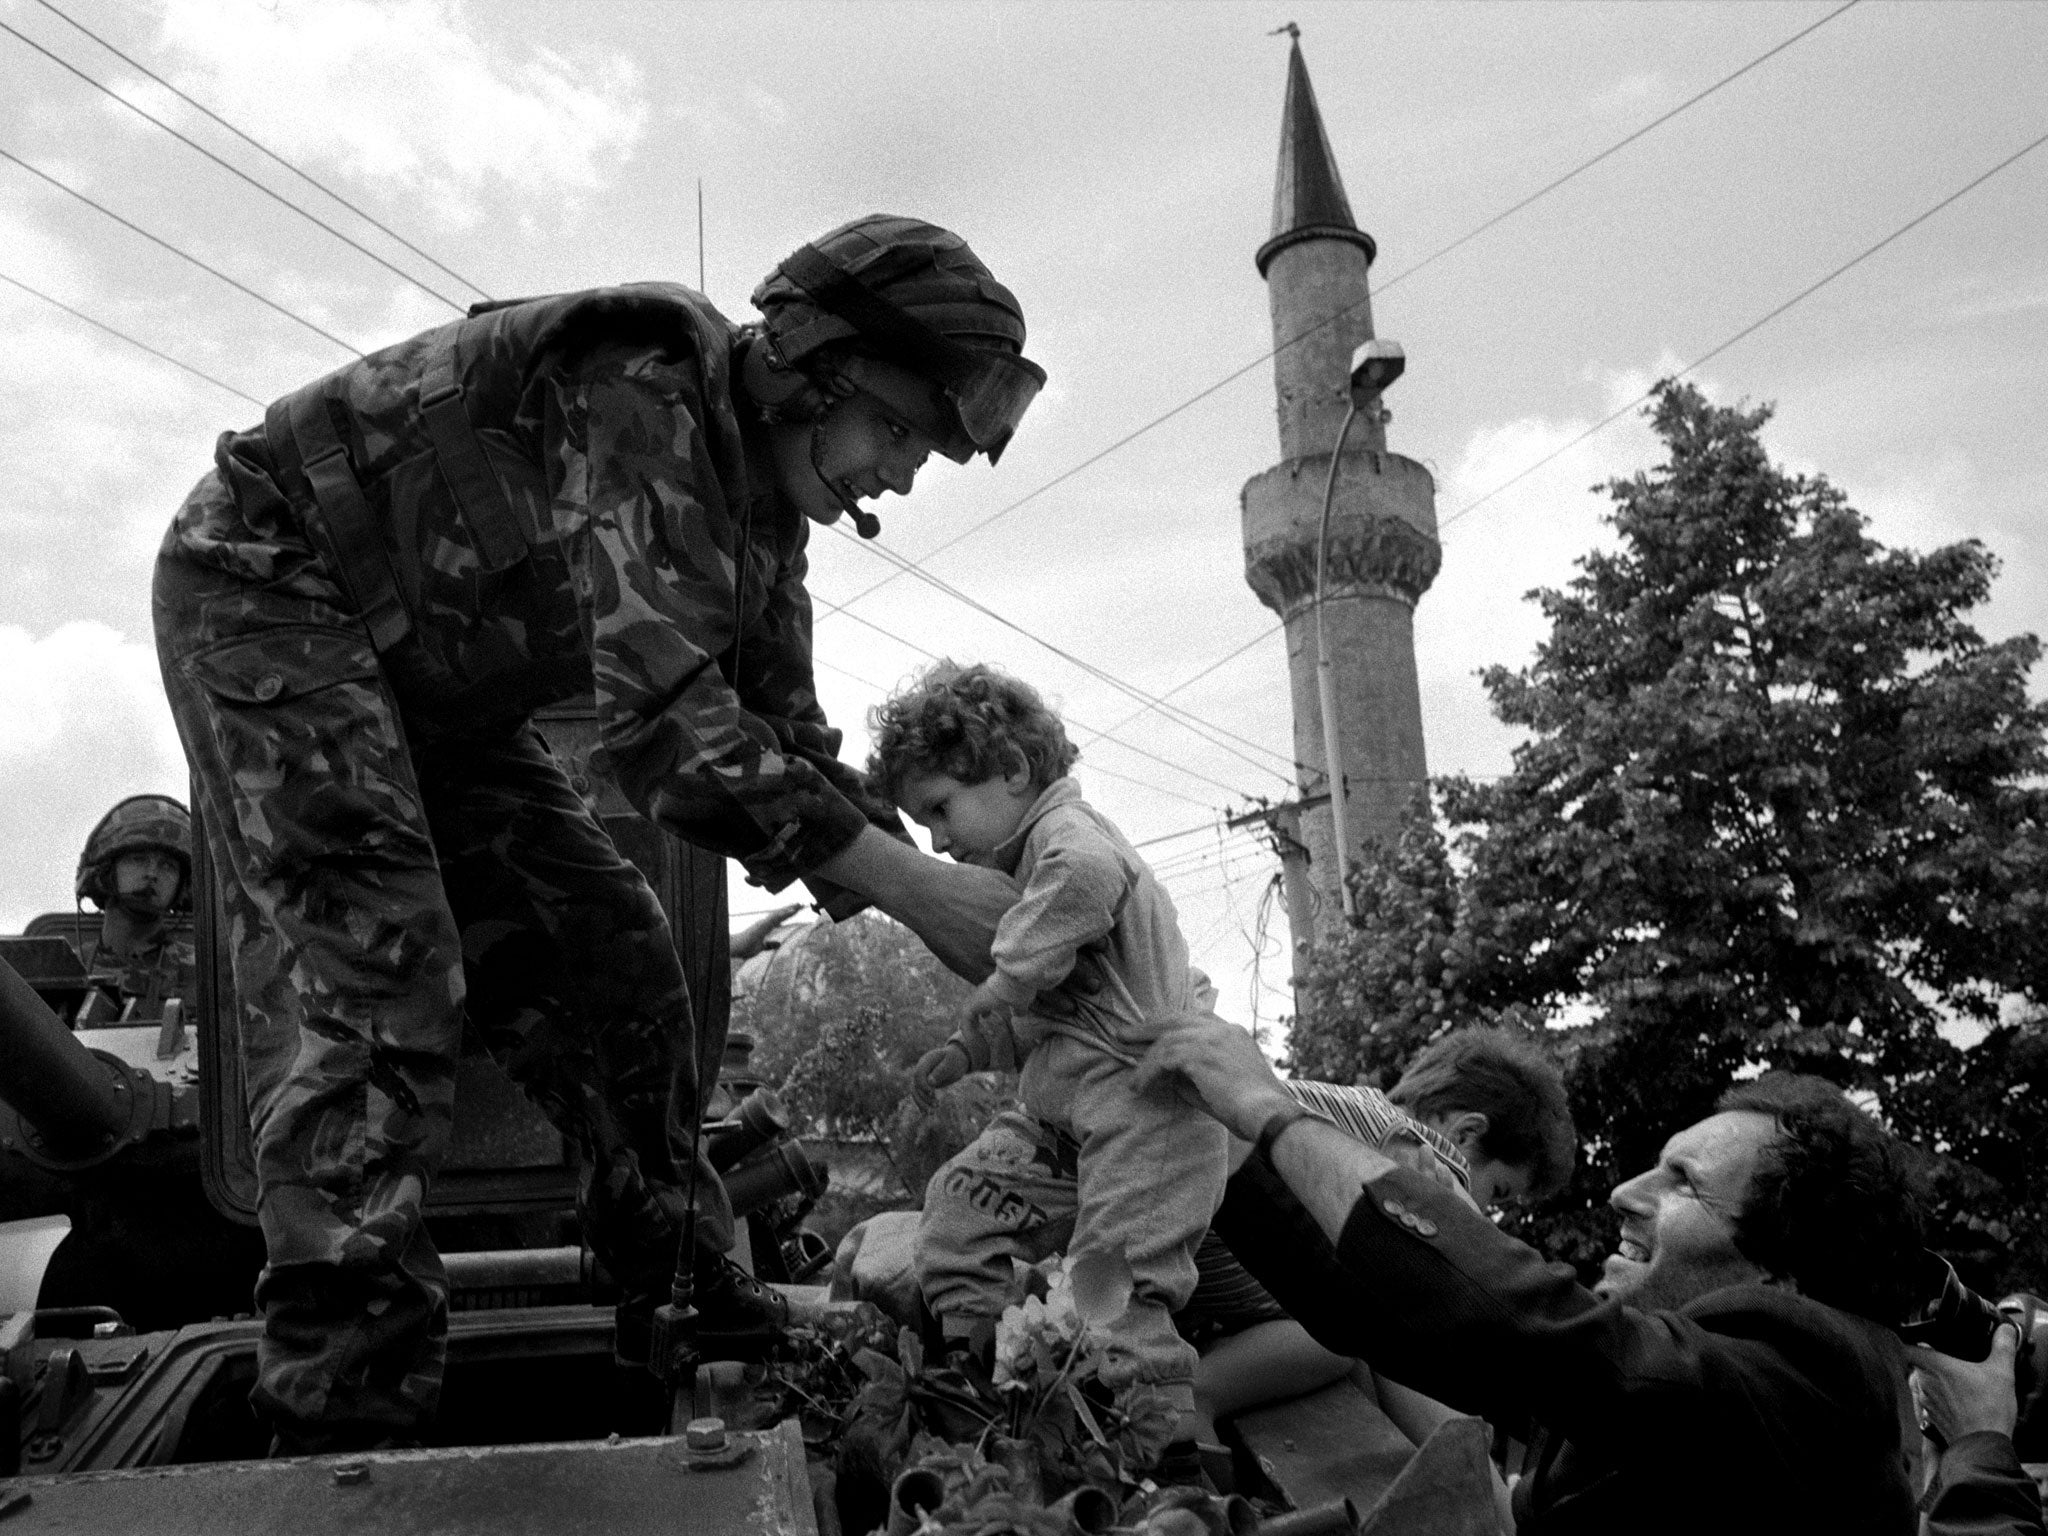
pixel 1308 194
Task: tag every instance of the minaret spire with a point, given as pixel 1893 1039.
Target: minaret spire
pixel 1308 193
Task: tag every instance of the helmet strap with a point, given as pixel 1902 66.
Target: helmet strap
pixel 865 523
pixel 779 391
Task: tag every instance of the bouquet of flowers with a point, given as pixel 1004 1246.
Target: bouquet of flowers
pixel 1082 1413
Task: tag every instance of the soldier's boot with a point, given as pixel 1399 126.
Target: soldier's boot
pixel 729 1300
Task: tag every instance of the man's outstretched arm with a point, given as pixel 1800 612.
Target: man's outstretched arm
pixel 1380 1261
pixel 1222 1069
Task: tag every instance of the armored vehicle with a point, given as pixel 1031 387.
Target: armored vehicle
pixel 126 1360
pixel 129 1353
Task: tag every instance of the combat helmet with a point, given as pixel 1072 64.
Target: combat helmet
pixel 138 823
pixel 912 294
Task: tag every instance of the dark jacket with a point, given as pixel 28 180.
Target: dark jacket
pixel 1982 1490
pixel 1751 1410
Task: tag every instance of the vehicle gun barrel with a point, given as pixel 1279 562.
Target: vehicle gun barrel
pixel 64 1091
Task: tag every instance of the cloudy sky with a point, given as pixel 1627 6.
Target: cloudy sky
pixel 1113 163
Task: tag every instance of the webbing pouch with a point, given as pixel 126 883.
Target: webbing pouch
pixel 478 493
pixel 299 426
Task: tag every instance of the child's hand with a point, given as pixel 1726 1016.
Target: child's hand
pixel 936 1069
pixel 983 1025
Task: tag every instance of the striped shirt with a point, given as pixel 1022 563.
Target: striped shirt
pixel 1373 1118
pixel 1226 1298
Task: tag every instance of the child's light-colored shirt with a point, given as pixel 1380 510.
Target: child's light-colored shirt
pixel 1085 887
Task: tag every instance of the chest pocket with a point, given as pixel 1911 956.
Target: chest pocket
pixel 495 490
pixel 498 496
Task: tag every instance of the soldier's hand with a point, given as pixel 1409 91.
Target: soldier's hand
pixel 937 1068
pixel 958 914
pixel 954 908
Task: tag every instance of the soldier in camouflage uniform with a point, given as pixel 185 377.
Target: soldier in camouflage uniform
pixel 358 611
pixel 136 868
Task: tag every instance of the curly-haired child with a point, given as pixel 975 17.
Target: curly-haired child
pixel 980 760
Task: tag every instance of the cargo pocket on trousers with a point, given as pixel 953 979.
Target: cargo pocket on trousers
pixel 308 749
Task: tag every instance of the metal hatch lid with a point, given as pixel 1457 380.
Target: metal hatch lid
pixel 617 1488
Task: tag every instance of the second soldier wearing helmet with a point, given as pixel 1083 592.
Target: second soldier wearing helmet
pixel 136 868
pixel 358 611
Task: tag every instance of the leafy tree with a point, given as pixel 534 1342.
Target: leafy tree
pixel 1779 806
pixel 814 989
pixel 1402 974
pixel 840 1014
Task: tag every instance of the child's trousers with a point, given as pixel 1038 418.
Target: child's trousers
pixel 1120 1169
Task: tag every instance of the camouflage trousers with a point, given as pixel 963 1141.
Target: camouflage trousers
pixel 378 884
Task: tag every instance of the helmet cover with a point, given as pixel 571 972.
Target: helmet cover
pixel 135 825
pixel 915 295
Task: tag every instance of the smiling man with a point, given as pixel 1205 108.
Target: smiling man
pixel 358 611
pixel 1731 1372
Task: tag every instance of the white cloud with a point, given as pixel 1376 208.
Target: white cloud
pixel 83 723
pixel 102 442
pixel 769 107
pixel 37 257
pixel 1623 388
pixel 1627 94
pixel 408 92
pixel 1999 299
pixel 1526 535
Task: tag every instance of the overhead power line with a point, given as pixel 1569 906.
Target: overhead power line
pixel 909 644
pixel 1187 683
pixel 1109 773
pixel 132 341
pixel 1210 731
pixel 1749 330
pixel 1209 859
pixel 232 169
pixel 1167 837
pixel 182 255
pixel 1405 273
pixel 1615 148
pixel 263 149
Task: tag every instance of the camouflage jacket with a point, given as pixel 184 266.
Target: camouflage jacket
pixel 139 985
pixel 612 525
